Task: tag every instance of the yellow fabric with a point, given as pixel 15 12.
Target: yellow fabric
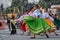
pixel 51 24
pixel 13 21
pixel 10 15
pixel 27 28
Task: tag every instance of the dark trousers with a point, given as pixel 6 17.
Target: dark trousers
pixel 13 31
pixel 9 27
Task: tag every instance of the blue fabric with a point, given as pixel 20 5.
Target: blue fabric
pixel 37 13
pixel 8 21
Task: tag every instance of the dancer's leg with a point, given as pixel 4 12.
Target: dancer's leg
pixel 33 36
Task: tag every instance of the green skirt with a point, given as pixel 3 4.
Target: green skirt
pixel 37 25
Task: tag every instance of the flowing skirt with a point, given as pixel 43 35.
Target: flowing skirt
pixel 51 25
pixel 23 26
pixel 37 25
pixel 27 28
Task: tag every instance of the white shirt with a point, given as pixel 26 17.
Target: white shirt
pixel 51 18
pixel 46 15
pixel 37 13
pixel 31 14
pixel 22 17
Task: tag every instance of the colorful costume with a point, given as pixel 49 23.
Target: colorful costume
pixel 37 13
pixel 36 25
pixel 49 21
pixel 23 25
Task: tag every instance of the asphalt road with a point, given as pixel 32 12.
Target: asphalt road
pixel 5 35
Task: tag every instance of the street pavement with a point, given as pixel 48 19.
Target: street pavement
pixel 5 35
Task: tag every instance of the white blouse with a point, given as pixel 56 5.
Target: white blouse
pixel 46 15
pixel 21 18
pixel 37 13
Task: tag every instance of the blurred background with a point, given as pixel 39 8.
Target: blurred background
pixel 19 6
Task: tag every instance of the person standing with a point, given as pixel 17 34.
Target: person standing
pixel 13 27
pixel 12 24
pixel 8 23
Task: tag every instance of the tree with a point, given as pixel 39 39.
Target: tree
pixel 2 8
pixel 19 4
pixel 52 2
pixel 15 2
pixel 43 4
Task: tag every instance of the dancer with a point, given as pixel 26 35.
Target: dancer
pixel 22 22
pixel 12 24
pixel 36 24
pixel 29 14
pixel 49 20
pixel 13 27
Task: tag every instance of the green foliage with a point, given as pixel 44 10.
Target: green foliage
pixel 43 4
pixel 2 8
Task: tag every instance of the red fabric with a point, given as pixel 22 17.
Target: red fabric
pixel 23 27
